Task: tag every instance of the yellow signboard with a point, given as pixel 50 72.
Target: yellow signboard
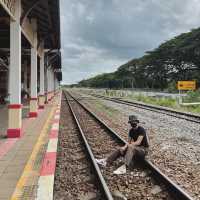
pixel 186 85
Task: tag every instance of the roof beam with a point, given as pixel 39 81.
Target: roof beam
pixel 28 10
pixel 28 31
pixel 9 7
pixel 50 22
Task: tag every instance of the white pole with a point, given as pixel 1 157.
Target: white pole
pixel 42 74
pixel 15 55
pixel 42 97
pixel 33 101
pixel 33 73
pixel 15 107
pixel 25 76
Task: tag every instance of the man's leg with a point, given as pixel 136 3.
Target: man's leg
pixel 140 153
pixel 129 155
pixel 133 151
pixel 115 155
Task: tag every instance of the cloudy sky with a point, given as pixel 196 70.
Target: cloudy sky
pixel 100 35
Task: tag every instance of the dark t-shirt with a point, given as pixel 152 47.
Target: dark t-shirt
pixel 135 133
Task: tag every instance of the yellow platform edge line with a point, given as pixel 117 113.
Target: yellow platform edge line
pixel 28 167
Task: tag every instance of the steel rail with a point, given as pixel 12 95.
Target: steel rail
pixel 105 188
pixel 158 109
pixel 176 190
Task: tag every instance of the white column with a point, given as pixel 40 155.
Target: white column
pixel 48 84
pixel 25 76
pixel 51 83
pixel 42 97
pixel 15 61
pixel 42 75
pixel 33 72
pixel 33 101
pixel 14 114
pixel 49 79
pixel 56 83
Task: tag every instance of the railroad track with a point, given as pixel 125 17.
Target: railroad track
pixel 76 176
pixel 167 111
pixel 139 183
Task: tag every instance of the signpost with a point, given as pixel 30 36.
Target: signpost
pixel 185 85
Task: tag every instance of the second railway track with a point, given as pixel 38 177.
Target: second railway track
pixel 136 184
pixel 159 109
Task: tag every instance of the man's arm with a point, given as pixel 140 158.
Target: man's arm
pixel 130 140
pixel 138 141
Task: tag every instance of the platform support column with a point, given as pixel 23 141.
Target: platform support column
pixel 55 84
pixel 51 84
pixel 15 107
pixel 34 99
pixel 42 96
pixel 26 76
pixel 48 85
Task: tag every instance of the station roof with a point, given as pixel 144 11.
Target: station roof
pixel 47 14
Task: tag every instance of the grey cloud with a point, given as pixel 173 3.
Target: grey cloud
pixel 100 35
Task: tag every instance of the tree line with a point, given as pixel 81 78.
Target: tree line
pixel 174 60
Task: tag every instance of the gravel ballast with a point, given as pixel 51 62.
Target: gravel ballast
pixel 174 142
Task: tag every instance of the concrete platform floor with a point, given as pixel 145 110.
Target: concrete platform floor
pixel 24 156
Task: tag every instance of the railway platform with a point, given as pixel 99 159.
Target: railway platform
pixel 27 164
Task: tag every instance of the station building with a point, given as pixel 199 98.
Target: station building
pixel 30 58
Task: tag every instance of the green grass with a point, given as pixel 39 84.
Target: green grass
pixel 166 102
pixel 194 109
pixel 192 96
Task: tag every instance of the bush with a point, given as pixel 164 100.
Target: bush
pixel 168 102
pixel 172 87
pixel 192 96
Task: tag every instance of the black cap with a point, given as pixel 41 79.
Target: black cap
pixel 133 118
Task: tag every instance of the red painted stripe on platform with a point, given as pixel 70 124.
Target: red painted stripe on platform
pixel 33 114
pixel 53 134
pixel 41 106
pixel 6 146
pixel 49 164
pixel 15 106
pixel 33 98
